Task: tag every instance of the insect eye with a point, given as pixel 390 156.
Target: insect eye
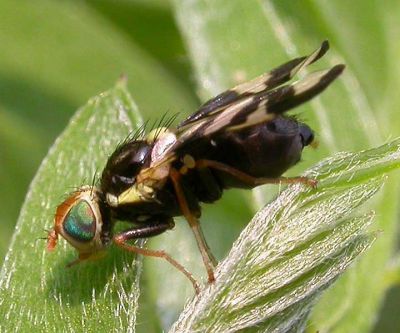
pixel 80 222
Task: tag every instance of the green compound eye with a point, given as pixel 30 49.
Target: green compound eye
pixel 80 222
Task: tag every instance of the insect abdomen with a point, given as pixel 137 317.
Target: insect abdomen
pixel 266 150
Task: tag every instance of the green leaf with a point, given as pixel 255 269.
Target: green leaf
pixel 35 284
pixel 234 40
pixel 293 249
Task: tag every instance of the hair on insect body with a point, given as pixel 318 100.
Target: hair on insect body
pixel 238 139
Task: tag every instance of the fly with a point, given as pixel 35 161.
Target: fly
pixel 239 139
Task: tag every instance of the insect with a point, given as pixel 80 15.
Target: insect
pixel 241 138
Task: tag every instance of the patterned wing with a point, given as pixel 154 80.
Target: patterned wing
pixel 264 82
pixel 261 107
pixel 258 103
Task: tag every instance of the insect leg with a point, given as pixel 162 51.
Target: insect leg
pixel 254 181
pixel 208 258
pixel 149 230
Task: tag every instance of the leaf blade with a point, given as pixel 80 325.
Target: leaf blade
pixel 82 296
pixel 293 249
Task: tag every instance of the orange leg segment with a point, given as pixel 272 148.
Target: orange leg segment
pixel 208 258
pixel 122 242
pixel 253 181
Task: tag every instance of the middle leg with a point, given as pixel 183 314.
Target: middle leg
pixel 207 256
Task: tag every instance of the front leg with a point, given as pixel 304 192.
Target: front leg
pixel 150 229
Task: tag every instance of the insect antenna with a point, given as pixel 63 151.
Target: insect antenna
pixel 43 238
pixel 40 238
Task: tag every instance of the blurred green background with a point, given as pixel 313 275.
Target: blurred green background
pixel 55 55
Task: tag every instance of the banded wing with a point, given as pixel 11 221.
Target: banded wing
pixel 258 104
pixel 261 107
pixel 264 82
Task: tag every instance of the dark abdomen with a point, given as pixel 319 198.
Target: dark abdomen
pixel 265 150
